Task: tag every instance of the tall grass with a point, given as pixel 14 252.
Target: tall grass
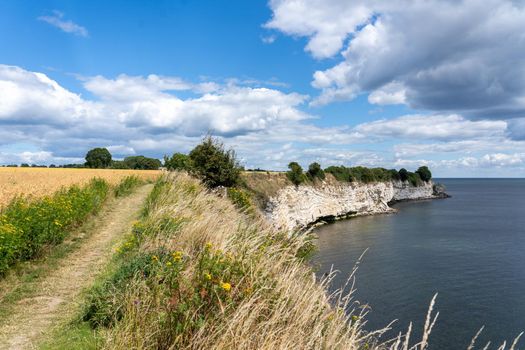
pixel 196 273
pixel 127 185
pixel 27 225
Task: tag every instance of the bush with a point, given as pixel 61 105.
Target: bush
pixel 341 173
pixel 424 173
pixel 141 163
pixel 414 179
pixel 98 158
pixel 315 171
pixel 178 161
pixel 403 174
pixel 26 226
pixel 214 165
pixel 295 174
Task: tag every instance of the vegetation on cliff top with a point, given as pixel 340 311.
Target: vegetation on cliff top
pixel 196 273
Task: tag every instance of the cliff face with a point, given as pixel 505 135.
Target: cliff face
pixel 298 206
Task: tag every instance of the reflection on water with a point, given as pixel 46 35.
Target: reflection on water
pixel 469 248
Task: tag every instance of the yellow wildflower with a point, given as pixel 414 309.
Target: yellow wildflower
pixel 155 258
pixel 207 276
pixel 226 286
pixel 177 256
pixel 208 246
pixel 168 263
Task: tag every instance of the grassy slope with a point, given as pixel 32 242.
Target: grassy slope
pixel 198 274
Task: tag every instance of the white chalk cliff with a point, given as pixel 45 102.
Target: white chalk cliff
pixel 296 207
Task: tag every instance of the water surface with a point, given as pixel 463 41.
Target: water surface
pixel 469 248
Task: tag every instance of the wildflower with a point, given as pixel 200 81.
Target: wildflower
pixel 226 286
pixel 168 263
pixel 207 276
pixel 155 258
pixel 208 246
pixel 177 256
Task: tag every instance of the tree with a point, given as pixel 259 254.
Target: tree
pixel 142 163
pixel 424 173
pixel 98 158
pixel 315 171
pixel 213 164
pixel 403 174
pixel 295 174
pixel 178 161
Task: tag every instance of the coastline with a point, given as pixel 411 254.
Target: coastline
pixel 303 207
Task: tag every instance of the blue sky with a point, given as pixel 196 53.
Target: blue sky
pixel 331 81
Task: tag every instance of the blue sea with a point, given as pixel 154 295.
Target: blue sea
pixel 470 249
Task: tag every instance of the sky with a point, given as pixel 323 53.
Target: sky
pixel 396 83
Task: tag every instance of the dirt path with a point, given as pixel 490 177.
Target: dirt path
pixel 57 296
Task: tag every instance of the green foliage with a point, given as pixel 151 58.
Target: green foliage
pixel 214 165
pixel 141 163
pixel 102 304
pixel 341 173
pixel 127 185
pixel 178 161
pixel 424 173
pixel 241 199
pixel 403 174
pixel 414 179
pixel 27 225
pixel 295 174
pixel 315 171
pixel 98 158
pixel 361 174
pixel 161 186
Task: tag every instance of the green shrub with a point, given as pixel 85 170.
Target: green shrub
pixel 403 174
pixel 127 185
pixel 424 173
pixel 315 171
pixel 414 179
pixel 295 174
pixel 341 173
pixel 141 163
pixel 27 225
pixel 178 161
pixel 214 165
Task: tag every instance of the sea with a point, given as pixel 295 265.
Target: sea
pixel 469 249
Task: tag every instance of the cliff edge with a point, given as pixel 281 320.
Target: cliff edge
pixel 295 207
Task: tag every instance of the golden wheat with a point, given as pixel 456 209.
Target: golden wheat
pixel 37 182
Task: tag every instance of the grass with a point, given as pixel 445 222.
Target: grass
pixel 127 185
pixel 75 335
pixel 197 273
pixel 22 279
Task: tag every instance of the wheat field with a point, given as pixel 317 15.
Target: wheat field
pixel 37 182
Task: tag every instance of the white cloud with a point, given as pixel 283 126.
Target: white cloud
pixel 389 94
pixel 465 57
pixel 144 115
pixel 68 26
pixel 436 127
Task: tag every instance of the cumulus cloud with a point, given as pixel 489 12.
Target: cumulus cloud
pixel 461 56
pixel 433 127
pixel 68 26
pixel 146 115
